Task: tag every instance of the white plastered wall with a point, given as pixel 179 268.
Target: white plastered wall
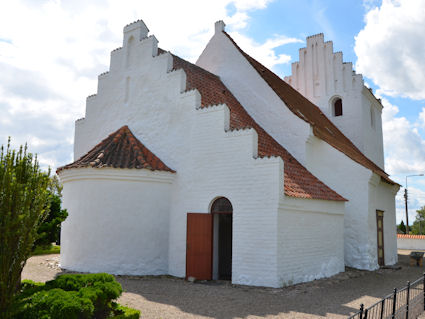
pixel 117 222
pixel 411 243
pixel 224 164
pixel 382 197
pixel 311 239
pixel 221 57
pixel 365 195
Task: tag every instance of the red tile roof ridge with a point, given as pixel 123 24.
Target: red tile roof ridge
pixel 322 126
pixel 121 149
pixel 298 181
pixel 410 236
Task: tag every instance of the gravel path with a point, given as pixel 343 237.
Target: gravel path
pixel 168 297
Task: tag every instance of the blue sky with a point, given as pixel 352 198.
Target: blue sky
pixel 51 52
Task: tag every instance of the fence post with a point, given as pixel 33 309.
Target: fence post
pixel 407 301
pixel 365 314
pixel 394 303
pixel 424 290
pixel 382 308
pixel 361 311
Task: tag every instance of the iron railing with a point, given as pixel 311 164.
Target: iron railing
pixel 404 303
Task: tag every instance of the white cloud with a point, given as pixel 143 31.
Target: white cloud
pixel 51 52
pixel 391 45
pixel 265 52
pixel 404 146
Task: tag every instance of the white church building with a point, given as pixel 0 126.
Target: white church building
pixel 223 170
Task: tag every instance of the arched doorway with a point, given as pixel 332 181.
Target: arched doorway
pixel 222 212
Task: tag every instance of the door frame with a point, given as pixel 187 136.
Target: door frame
pixel 213 240
pixel 380 216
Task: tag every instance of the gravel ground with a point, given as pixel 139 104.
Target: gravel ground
pixel 168 297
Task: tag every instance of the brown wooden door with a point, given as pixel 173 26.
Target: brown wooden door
pixel 380 232
pixel 199 246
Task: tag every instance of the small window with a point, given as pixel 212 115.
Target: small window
pixel 337 107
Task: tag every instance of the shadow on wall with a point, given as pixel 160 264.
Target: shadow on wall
pixel 334 297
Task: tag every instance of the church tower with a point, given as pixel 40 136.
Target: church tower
pixel 322 77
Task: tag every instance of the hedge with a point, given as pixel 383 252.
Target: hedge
pixel 72 297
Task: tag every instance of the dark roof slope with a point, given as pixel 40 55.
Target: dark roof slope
pixel 120 149
pixel 298 181
pixel 307 111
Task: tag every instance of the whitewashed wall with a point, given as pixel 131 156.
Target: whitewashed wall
pixel 311 239
pixel 351 181
pixel 382 197
pixel 222 58
pixel 118 220
pixel 411 242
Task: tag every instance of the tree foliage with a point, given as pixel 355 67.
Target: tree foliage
pixel 23 206
pixel 49 230
pixel 418 227
pixel 402 227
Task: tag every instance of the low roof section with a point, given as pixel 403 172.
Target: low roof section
pixel 121 149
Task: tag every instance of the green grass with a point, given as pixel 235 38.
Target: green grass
pixel 40 250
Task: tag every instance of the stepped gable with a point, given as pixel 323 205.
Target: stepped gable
pixel 298 181
pixel 120 149
pixel 323 128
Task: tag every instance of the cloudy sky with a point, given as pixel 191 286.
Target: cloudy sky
pixel 51 52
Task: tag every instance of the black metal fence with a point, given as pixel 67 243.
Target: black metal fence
pixel 404 303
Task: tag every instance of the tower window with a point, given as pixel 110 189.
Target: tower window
pixel 337 107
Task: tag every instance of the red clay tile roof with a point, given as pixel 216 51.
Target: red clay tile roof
pixel 298 181
pixel 310 113
pixel 120 149
pixel 411 236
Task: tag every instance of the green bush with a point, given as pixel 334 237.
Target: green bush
pixel 73 296
pixel 121 312
pixel 55 304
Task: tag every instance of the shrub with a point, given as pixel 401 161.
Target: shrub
pixel 73 296
pixel 121 312
pixel 23 206
pixel 55 303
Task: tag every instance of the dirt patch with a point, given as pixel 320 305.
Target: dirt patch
pixel 169 297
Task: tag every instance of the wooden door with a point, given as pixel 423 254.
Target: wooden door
pixel 199 246
pixel 380 232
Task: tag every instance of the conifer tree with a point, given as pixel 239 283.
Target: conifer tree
pixel 23 206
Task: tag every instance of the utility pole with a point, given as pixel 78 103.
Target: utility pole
pixel 405 202
pixel 407 213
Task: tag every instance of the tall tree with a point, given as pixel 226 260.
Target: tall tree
pixel 23 206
